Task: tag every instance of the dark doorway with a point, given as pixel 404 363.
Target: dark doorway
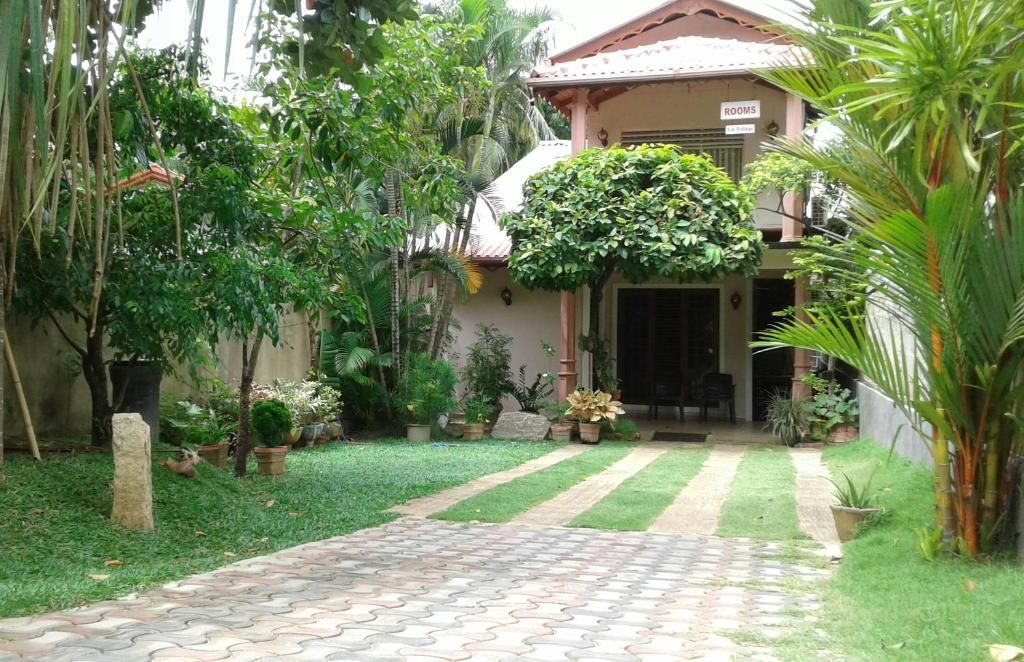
pixel 667 341
pixel 772 370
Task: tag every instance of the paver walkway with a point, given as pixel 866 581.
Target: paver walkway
pixel 581 497
pixel 423 590
pixel 435 503
pixel 698 505
pixel 813 496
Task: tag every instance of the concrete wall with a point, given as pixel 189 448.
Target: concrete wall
pixel 58 396
pixel 693 105
pixel 532 317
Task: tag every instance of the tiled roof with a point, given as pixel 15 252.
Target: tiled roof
pixel 680 58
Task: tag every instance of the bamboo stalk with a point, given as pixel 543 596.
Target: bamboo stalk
pixel 12 367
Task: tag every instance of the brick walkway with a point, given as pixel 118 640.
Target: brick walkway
pixel 426 590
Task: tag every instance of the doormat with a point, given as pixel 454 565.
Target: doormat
pixel 685 437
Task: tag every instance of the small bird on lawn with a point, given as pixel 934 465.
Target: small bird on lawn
pixel 187 466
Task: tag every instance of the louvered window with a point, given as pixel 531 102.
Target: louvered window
pixel 725 151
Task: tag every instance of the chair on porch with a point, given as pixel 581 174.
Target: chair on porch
pixel 717 387
pixel 665 395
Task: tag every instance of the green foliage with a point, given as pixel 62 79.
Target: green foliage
pixel 425 389
pixel 270 419
pixel 478 409
pixel 606 376
pixel 929 542
pixel 192 424
pixel 642 211
pixel 787 417
pixel 778 172
pixel 850 496
pixel 831 406
pixel 488 370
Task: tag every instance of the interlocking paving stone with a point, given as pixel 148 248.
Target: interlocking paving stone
pixel 435 503
pixel 697 507
pixel 419 589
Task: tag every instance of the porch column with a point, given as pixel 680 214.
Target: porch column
pixel 567 354
pixel 793 230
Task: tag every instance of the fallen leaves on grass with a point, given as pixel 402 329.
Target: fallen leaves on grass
pixel 1005 652
pixel 114 563
pixel 98 578
pixel 230 554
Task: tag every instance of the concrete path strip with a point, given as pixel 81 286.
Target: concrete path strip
pixel 435 503
pixel 813 496
pixel 697 507
pixel 581 497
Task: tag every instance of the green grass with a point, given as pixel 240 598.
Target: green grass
pixel 637 502
pixel 502 503
pixel 761 504
pixel 886 593
pixel 56 528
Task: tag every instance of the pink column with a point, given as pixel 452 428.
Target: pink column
pixel 793 230
pixel 801 357
pixel 567 353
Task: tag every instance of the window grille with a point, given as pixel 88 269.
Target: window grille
pixel 725 151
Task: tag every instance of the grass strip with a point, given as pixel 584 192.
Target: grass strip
pixel 638 501
pixel 56 527
pixel 762 504
pixel 503 502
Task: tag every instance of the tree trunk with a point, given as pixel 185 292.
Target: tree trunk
pixel 94 369
pixel 391 188
pixel 249 359
pixel 3 336
pixel 594 326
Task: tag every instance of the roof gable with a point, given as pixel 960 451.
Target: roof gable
pixel 677 18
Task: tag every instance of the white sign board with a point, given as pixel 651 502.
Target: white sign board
pixel 736 129
pixel 741 110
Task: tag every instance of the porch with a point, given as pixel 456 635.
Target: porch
pixel 717 431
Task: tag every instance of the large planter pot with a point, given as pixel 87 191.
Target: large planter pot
pixel 590 433
pixel 848 519
pixel 473 431
pixel 562 431
pixel 308 435
pixel 319 433
pixel 271 459
pixel 334 431
pixel 417 432
pixel 843 434
pixel 214 454
pixel 292 436
pixel 136 389
pixel 456 424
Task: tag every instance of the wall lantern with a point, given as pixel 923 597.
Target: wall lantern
pixel 506 296
pixel 772 128
pixel 602 135
pixel 735 300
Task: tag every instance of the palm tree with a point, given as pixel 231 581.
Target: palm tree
pixel 927 95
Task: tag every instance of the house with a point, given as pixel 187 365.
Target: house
pixel 679 74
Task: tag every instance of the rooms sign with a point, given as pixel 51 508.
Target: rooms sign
pixel 741 110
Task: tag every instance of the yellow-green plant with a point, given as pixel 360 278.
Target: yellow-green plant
pixel 588 406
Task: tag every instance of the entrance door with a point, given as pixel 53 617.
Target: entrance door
pixel 772 370
pixel 667 342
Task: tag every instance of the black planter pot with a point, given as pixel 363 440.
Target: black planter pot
pixel 136 388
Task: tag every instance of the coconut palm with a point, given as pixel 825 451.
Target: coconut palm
pixel 927 95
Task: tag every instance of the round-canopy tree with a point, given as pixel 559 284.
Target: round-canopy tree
pixel 644 211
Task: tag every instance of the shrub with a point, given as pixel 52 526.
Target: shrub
pixel 425 390
pixel 488 370
pixel 588 406
pixel 478 409
pixel 787 417
pixel 270 419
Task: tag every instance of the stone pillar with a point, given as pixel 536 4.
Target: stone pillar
pixel 793 205
pixel 567 351
pixel 133 473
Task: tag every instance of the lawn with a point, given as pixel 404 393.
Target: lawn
pixel 761 504
pixel 637 502
pixel 502 503
pixel 56 529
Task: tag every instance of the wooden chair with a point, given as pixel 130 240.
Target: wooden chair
pixel 717 387
pixel 662 395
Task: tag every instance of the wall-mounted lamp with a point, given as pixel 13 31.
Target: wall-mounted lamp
pixel 772 128
pixel 735 300
pixel 602 135
pixel 506 296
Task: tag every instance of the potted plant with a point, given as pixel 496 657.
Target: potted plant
pixel 589 409
pixel 203 429
pixel 853 507
pixel 561 427
pixel 787 417
pixel 488 370
pixel 324 407
pixel 297 397
pixel 425 391
pixel 270 420
pixel 478 408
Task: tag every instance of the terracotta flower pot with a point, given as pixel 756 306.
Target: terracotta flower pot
pixel 848 519
pixel 271 459
pixel 473 431
pixel 456 424
pixel 843 434
pixel 590 433
pixel 214 454
pixel 562 431
pixel 417 432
